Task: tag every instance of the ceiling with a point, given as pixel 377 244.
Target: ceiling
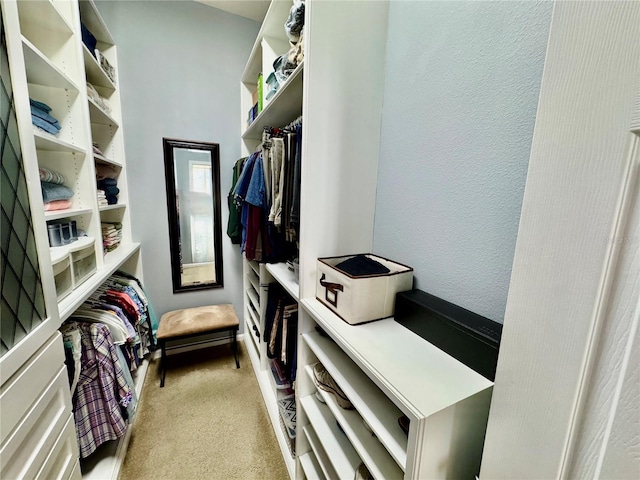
pixel 253 9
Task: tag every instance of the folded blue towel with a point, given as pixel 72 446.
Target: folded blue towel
pixel 40 105
pixel 46 126
pixel 111 190
pixel 107 182
pixel 53 191
pixel 38 112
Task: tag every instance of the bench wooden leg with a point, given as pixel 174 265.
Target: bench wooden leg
pixel 163 362
pixel 235 347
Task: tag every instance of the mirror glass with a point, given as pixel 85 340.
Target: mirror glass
pixel 192 172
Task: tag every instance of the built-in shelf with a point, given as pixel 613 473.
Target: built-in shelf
pixel 318 453
pixel 284 107
pixel 255 282
pixel 59 252
pixel 311 467
pixel 116 258
pixel 370 346
pixel 367 445
pixel 94 22
pixel 45 16
pixel 99 116
pixel 375 407
pixel 41 71
pixel 95 74
pixel 69 212
pixel 48 142
pixel 102 159
pixel 117 206
pixel 272 27
pixel 337 447
pixel 286 278
pixel 254 298
pixel 120 254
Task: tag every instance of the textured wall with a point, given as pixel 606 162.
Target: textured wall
pixel 462 85
pixel 179 68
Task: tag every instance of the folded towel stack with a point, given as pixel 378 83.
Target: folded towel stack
pixel 102 198
pixel 105 170
pixel 111 236
pixel 93 94
pixel 54 194
pixel 47 175
pixel 111 191
pixel 41 117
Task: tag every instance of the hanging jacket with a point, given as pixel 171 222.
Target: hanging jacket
pixel 234 226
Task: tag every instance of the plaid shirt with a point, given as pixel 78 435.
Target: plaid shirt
pixel 101 392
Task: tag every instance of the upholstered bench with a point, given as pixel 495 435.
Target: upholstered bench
pixel 197 321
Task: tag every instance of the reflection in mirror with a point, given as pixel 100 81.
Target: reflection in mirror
pixel 192 174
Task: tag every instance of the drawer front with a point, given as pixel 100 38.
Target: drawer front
pixel 30 444
pixel 29 383
pixel 64 456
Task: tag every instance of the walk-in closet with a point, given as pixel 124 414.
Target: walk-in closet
pixel 423 215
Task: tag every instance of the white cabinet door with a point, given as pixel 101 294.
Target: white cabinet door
pixel 565 402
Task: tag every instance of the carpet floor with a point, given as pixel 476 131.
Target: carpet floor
pixel 208 422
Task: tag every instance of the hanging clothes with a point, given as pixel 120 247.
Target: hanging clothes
pixel 281 329
pixel 234 227
pixel 267 194
pixel 102 390
pixel 105 339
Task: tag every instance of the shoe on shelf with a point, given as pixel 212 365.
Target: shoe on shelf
pixel 403 421
pixel 319 397
pixel 368 428
pixel 362 473
pixel 324 381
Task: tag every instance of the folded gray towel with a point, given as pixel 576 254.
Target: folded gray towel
pixel 53 191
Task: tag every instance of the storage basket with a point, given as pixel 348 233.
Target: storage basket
pixel 83 261
pixel 62 275
pixel 362 298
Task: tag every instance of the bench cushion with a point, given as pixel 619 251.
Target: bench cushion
pixel 190 321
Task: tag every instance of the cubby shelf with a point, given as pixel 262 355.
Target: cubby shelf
pixel 46 141
pixel 95 74
pixel 375 407
pixel 78 296
pixel 41 71
pixel 45 15
pixel 341 454
pixel 284 107
pixel 66 213
pixel 99 116
pixel 117 206
pixel 285 277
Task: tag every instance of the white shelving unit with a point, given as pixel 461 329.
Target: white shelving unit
pixel 50 63
pixel 385 370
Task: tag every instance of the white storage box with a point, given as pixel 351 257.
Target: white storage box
pixel 61 272
pixel 83 259
pixel 359 299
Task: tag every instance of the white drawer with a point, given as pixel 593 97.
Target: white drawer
pixel 22 390
pixel 63 457
pixel 29 445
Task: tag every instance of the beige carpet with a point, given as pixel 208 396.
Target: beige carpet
pixel 208 422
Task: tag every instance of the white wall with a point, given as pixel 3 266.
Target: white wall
pixel 462 86
pixel 179 65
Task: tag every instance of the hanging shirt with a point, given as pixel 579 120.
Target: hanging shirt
pixel 102 390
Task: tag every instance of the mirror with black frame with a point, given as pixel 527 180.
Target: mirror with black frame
pixel 192 175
